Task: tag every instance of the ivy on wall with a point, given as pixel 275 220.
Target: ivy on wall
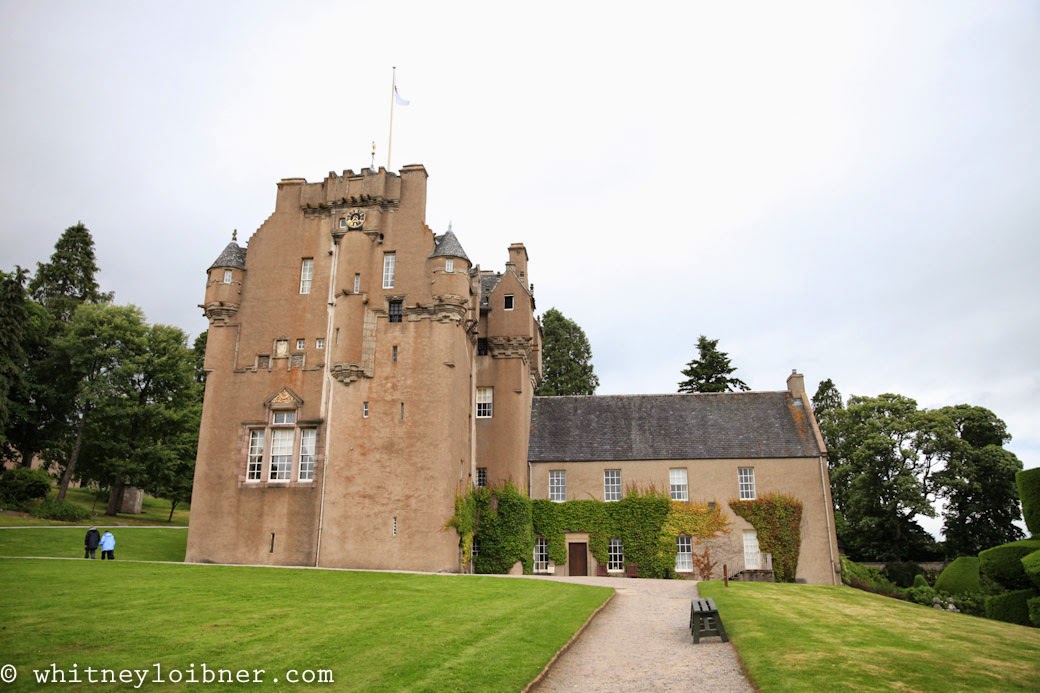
pixel 777 520
pixel 505 522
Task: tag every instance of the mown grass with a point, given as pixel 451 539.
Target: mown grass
pixel 132 543
pixel 374 631
pixel 815 638
pixel 154 511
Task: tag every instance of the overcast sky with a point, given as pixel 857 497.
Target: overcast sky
pixel 851 189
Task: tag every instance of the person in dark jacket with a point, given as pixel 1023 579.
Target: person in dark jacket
pixel 90 542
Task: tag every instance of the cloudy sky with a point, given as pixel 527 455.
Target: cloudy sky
pixel 851 189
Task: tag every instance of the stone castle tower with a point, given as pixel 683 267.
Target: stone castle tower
pixel 360 370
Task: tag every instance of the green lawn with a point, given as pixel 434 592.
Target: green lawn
pixel 814 638
pixel 132 543
pixel 374 631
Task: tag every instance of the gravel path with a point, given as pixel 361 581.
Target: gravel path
pixel 641 642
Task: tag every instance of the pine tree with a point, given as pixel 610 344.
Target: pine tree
pixel 68 279
pixel 711 371
pixel 566 358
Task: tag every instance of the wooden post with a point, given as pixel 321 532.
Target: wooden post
pixel 725 575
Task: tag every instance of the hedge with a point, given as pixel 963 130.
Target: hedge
pixel 1003 564
pixel 960 577
pixel 1011 607
pixel 1031 564
pixel 21 485
pixel 1034 610
pixel 1028 481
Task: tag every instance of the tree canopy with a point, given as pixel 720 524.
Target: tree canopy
pixel 710 371
pixel 566 358
pixel 890 461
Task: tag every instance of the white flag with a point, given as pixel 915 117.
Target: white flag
pixel 398 99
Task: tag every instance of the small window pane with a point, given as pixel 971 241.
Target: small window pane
pixel 558 486
pixel 357 283
pixel 319 343
pixel 449 265
pixel 612 484
pixel 308 436
pixel 683 555
pixel 481 477
pixel 678 484
pixel 256 455
pixel 485 402
pixel 541 555
pixel 306 274
pixel 281 453
pixel 746 482
pixel 227 276
pixel 284 417
pixel 509 302
pixel 395 310
pixel 616 556
pixel 389 262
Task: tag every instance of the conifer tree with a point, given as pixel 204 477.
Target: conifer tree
pixel 711 371
pixel 566 358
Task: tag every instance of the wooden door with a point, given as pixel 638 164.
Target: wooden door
pixel 578 559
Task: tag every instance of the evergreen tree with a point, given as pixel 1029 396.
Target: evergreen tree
pixel 711 371
pixel 14 325
pixel 68 279
pixel 566 358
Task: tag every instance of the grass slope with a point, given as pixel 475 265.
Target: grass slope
pixel 154 511
pixel 132 543
pixel 808 637
pixel 375 631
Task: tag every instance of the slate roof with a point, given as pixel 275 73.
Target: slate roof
pixel 448 246
pixel 488 282
pixel 233 256
pixel 670 427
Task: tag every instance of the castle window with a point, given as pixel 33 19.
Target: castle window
pixel 357 283
pixel 616 556
pixel 449 265
pixel 485 402
pixel 395 310
pixel 481 477
pixel 227 276
pixel 256 455
pixel 683 554
pixel 394 354
pixel 301 344
pixel 263 361
pixel 389 262
pixel 281 453
pixel 558 486
pixel 677 482
pixel 319 343
pixel 508 302
pixel 364 410
pixel 296 361
pixel 306 274
pixel 541 555
pixel 342 223
pixel 284 418
pixel 746 483
pixel 482 346
pixel 611 484
pixel 308 438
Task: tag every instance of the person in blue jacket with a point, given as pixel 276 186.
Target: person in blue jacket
pixel 108 546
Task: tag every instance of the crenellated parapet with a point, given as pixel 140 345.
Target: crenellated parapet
pixel 510 347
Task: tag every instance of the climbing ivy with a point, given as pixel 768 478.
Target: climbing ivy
pixel 505 522
pixel 777 519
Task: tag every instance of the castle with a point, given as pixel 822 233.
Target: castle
pixel 361 370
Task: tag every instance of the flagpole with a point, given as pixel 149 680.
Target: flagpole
pixel 390 139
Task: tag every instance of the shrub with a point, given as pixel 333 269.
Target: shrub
pixel 960 577
pixel 867 579
pixel 1034 610
pixel 59 510
pixel 1003 564
pixel 504 530
pixel 1031 564
pixel 971 603
pixel 922 594
pixel 1028 481
pixel 21 485
pixel 920 580
pixel 903 572
pixel 1010 607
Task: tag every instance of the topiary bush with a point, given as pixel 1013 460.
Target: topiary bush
pixel 1034 610
pixel 1031 564
pixel 920 580
pixel 868 579
pixel 59 510
pixel 1028 481
pixel 1010 607
pixel 21 485
pixel 1003 564
pixel 960 577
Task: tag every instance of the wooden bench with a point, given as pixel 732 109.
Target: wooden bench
pixel 705 621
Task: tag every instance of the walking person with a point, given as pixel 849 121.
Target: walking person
pixel 108 546
pixel 90 542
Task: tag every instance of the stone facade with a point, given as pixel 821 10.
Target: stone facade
pixel 348 345
pixel 361 371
